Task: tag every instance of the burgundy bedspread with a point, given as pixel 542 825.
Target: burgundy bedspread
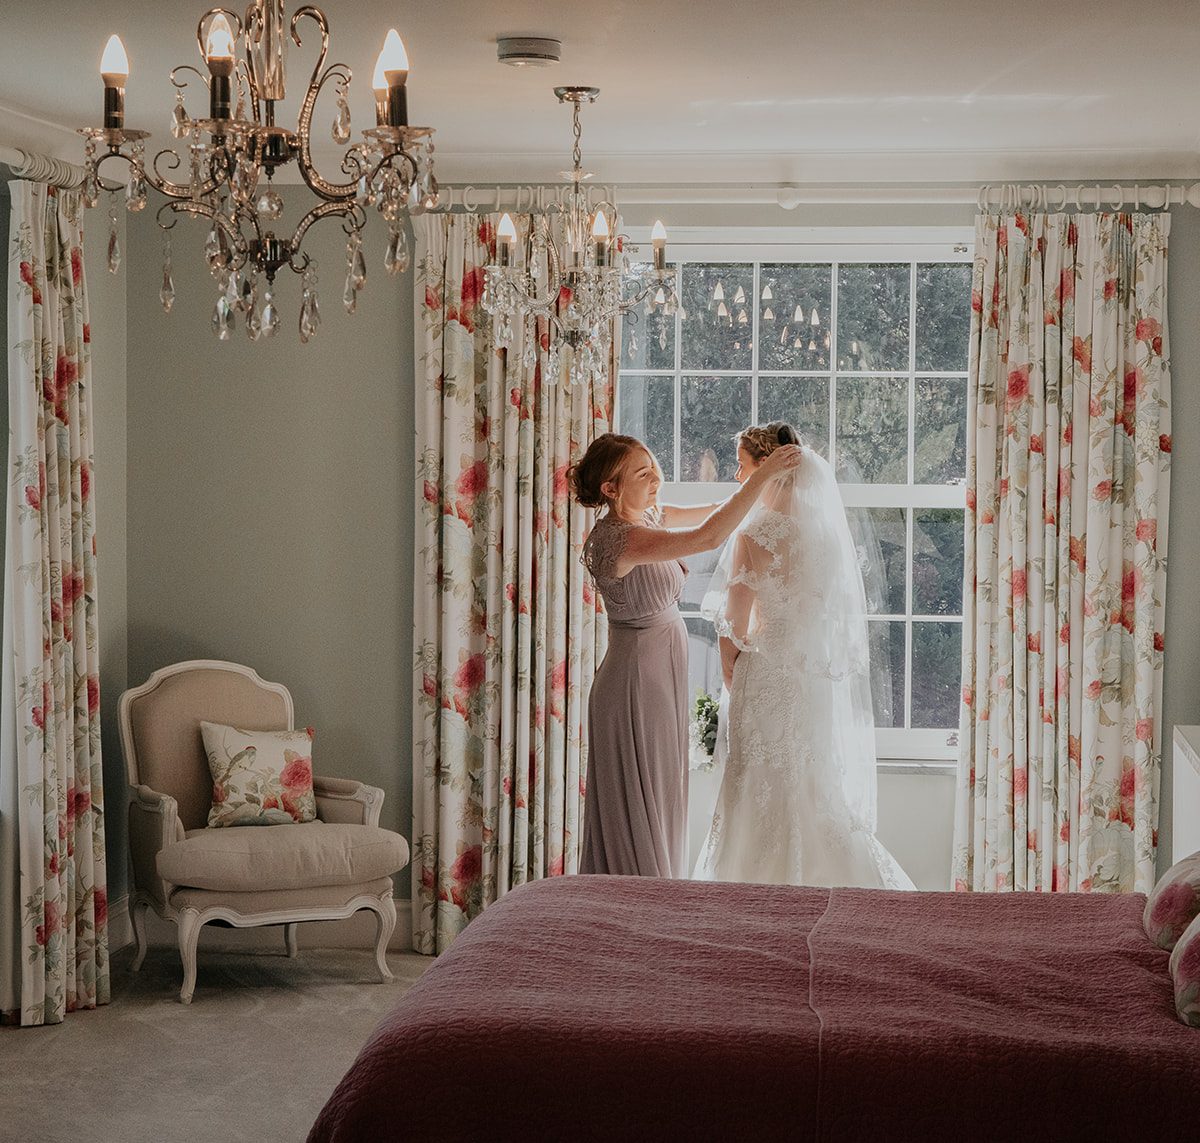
pixel 613 1007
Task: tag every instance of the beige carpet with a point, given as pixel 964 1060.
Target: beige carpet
pixel 253 1057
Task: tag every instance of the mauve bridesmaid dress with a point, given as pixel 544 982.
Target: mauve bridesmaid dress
pixel 635 820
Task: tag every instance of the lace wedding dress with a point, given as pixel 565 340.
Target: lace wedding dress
pixel 797 802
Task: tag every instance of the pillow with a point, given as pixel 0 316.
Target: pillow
pixel 1185 974
pixel 1174 902
pixel 260 777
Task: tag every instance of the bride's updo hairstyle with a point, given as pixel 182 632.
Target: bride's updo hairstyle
pixel 603 461
pixel 762 440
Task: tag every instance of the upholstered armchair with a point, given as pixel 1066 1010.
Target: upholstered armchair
pixel 327 869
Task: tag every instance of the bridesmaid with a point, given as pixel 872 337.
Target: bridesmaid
pixel 635 820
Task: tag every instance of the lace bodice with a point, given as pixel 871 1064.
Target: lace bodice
pixel 645 590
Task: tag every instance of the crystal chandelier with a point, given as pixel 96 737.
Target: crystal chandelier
pixel 231 157
pixel 579 280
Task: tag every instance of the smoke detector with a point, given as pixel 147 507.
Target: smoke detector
pixel 528 51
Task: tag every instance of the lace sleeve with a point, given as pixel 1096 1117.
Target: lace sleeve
pixel 603 548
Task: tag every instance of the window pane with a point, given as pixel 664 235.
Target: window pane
pixel 879 537
pixel 872 430
pixel 887 672
pixel 717 328
pixel 936 671
pixel 940 432
pixel 646 409
pixel 937 561
pixel 712 411
pixel 647 334
pixel 943 315
pixel 801 401
pixel 700 571
pixel 793 316
pixel 873 316
pixel 704 660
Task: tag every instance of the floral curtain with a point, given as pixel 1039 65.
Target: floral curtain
pixel 507 632
pixel 1068 455
pixel 50 777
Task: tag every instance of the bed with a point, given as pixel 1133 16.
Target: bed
pixel 615 1007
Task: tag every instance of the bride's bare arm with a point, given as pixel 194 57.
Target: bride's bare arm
pixel 655 545
pixel 739 602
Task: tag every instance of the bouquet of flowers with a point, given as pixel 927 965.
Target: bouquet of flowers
pixel 702 731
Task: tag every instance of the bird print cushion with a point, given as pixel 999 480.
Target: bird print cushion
pixel 260 777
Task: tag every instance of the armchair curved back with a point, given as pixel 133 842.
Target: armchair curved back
pixel 160 726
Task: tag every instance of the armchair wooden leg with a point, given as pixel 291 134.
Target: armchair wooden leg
pixel 289 939
pixel 189 935
pixel 140 908
pixel 386 916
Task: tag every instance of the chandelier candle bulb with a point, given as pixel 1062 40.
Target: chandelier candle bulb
pixel 218 55
pixel 114 70
pixel 658 239
pixel 600 236
pixel 392 68
pixel 506 237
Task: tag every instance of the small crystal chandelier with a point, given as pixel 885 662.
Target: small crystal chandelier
pixel 230 159
pixel 582 286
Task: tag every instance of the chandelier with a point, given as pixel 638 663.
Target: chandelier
pixel 579 279
pixel 230 159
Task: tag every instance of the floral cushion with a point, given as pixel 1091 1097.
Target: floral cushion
pixel 1174 902
pixel 260 777
pixel 1185 973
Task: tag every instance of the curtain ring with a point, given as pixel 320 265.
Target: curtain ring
pixel 982 197
pixel 1075 198
pixel 1097 196
pixel 1137 196
pixel 1119 200
pixel 468 200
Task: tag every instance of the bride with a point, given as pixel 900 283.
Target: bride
pixel 797 802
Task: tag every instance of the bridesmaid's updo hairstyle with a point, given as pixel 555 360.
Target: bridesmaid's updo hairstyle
pixel 762 440
pixel 603 461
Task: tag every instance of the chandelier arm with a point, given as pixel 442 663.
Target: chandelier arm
pixel 239 27
pixel 350 209
pixel 164 185
pixel 308 171
pixel 246 86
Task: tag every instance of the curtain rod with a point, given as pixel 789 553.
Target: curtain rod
pixel 41 168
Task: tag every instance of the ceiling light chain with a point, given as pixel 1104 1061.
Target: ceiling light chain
pixel 227 155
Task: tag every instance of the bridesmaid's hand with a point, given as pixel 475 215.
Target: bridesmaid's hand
pixel 781 461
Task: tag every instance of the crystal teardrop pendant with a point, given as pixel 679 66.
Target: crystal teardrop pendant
pixel 114 251
pixel 364 195
pixel 181 121
pixel 310 316
pixel 167 294
pixel 341 122
pixel 253 322
pixel 248 293
pixel 135 193
pixel 244 180
pixel 216 250
pixel 91 189
pixel 269 205
pixel 222 319
pixel 350 296
pixel 396 260
pixel 270 315
pixel 358 269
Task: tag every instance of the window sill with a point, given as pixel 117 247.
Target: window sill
pixel 916 766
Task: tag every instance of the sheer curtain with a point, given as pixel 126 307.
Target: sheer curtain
pixel 507 633
pixel 51 795
pixel 1068 462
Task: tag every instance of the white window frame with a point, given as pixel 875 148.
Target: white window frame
pixel 837 246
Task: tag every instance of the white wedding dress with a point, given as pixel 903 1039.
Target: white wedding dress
pixel 797 801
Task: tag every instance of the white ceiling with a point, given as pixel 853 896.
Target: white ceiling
pixel 706 91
